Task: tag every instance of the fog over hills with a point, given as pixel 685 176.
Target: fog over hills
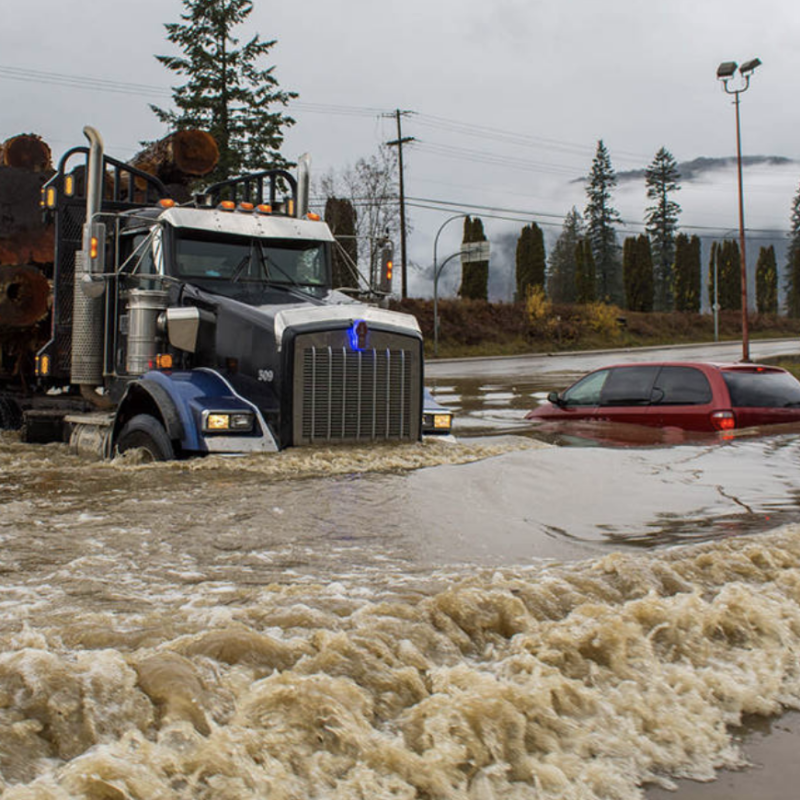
pixel 709 201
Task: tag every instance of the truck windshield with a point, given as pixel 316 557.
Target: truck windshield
pixel 218 261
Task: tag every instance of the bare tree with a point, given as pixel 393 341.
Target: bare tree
pixel 371 186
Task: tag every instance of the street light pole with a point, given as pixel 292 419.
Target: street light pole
pixel 725 72
pixel 436 283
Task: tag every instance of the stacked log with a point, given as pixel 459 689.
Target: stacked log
pixel 26 151
pixel 26 250
pixel 181 157
pixel 179 160
pixel 24 297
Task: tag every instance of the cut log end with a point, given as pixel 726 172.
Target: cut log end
pixel 26 151
pixel 180 157
pixel 195 152
pixel 24 296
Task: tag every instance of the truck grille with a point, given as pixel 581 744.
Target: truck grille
pixel 345 395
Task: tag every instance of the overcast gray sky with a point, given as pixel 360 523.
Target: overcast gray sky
pixel 510 96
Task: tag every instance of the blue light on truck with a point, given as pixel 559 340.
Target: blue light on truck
pixel 358 335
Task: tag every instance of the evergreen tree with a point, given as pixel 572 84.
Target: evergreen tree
pixel 686 287
pixel 530 259
pixel 585 272
pixel 637 273
pixel 793 295
pixel 561 266
pixel 728 264
pixel 661 221
pixel 767 281
pixel 600 219
pixel 793 260
pixel 228 93
pixel 474 275
pixel 342 220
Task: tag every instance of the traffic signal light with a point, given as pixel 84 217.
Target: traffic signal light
pixel 387 267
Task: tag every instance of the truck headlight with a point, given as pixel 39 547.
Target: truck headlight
pixel 218 421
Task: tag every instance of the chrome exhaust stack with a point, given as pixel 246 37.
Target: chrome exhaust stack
pixel 88 333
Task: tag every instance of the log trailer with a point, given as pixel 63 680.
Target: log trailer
pixel 206 327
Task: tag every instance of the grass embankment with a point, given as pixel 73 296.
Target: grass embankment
pixel 478 328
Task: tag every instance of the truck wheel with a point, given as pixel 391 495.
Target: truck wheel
pixel 146 433
pixel 10 415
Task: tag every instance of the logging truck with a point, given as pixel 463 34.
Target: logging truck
pixel 190 327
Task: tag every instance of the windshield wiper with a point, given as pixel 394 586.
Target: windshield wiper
pixel 265 259
pixel 245 262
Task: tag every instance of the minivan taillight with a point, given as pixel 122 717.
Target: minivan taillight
pixel 723 420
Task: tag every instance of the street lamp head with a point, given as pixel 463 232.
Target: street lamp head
pixel 749 66
pixel 727 68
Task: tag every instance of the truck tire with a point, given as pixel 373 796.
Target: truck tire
pixel 146 433
pixel 10 415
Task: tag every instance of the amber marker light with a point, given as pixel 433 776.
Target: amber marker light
pixel 50 198
pixel 227 205
pixel 43 365
pixel 313 217
pixel 69 186
pixel 264 208
pixel 164 361
pixel 94 247
pixel 246 206
pixel 166 202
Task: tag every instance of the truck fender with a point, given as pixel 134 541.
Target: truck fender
pixel 148 397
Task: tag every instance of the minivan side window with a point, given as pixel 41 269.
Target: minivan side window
pixel 586 392
pixel 628 386
pixel 681 386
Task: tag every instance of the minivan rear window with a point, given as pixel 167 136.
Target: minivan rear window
pixel 762 389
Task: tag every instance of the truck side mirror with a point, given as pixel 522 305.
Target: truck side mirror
pixel 93 286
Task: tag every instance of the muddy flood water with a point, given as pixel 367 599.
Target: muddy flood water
pixel 515 614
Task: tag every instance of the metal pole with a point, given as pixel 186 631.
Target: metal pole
pixel 745 329
pixel 399 142
pixel 716 300
pixel 436 284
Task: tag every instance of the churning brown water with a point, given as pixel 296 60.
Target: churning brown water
pixel 473 621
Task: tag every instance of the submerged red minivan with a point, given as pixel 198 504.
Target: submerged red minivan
pixel 693 396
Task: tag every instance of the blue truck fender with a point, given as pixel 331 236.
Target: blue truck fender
pixel 155 395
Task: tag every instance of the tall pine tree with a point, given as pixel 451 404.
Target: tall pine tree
pixel 530 258
pixel 585 273
pixel 561 264
pixel 725 257
pixel 600 219
pixel 228 92
pixel 767 281
pixel 637 273
pixel 661 221
pixel 342 220
pixel 475 274
pixel 793 260
pixel 686 286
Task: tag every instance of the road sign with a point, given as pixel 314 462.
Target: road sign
pixel 474 251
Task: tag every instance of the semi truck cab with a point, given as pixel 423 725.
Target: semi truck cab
pixel 213 326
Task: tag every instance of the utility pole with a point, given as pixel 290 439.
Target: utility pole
pixel 398 143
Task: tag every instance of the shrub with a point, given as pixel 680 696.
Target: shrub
pixel 603 318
